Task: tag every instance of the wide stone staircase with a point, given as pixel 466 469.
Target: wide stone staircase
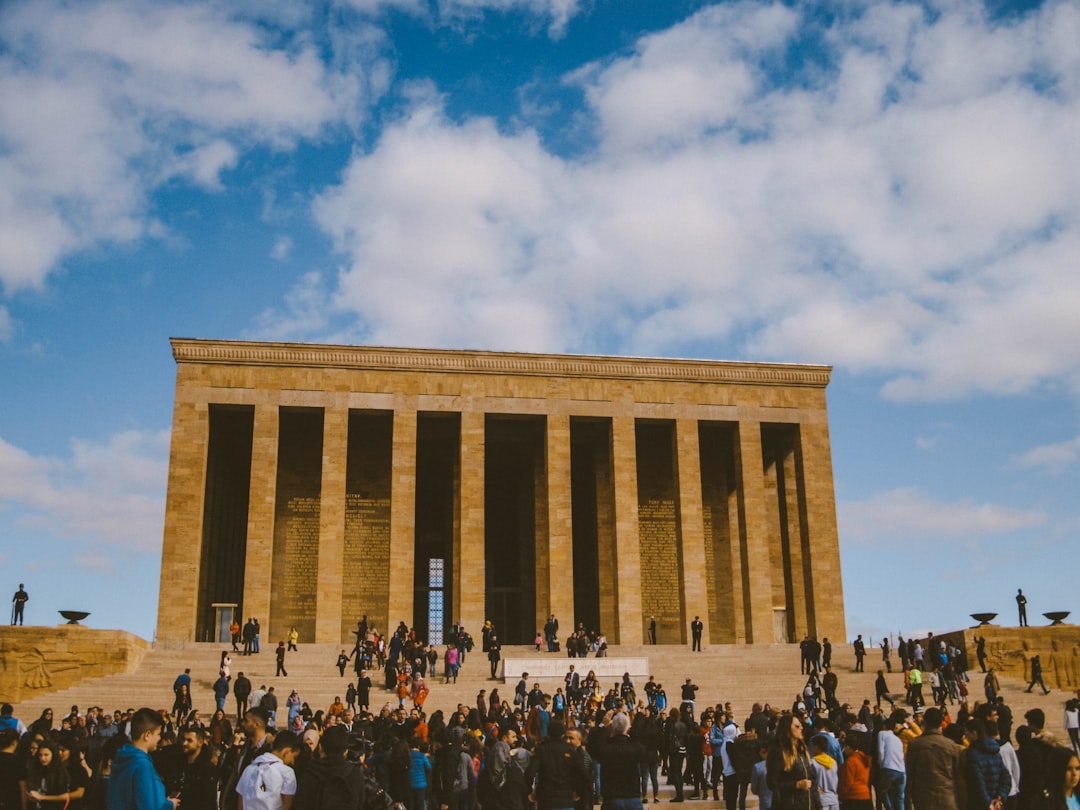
pixel 739 674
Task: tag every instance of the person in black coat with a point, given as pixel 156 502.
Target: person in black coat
pixel 558 775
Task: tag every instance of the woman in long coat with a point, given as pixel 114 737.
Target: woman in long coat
pixel 789 769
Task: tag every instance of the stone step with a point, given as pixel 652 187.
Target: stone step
pixel 740 674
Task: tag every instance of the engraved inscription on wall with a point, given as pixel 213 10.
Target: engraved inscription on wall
pixel 660 591
pixel 710 560
pixel 302 552
pixel 367 559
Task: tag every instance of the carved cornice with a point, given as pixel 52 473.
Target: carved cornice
pixel 445 361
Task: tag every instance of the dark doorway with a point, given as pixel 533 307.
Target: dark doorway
pixel 513 476
pixel 725 576
pixel 790 547
pixel 225 513
pixel 438 440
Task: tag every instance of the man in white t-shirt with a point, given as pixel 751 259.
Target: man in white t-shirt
pixel 269 783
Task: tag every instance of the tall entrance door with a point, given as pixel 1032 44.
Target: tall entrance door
pixel 513 470
pixel 437 449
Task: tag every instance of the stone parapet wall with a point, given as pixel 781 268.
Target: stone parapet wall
pixel 37 660
pixel 1009 651
pixel 553 670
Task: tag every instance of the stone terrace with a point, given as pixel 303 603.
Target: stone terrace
pixel 740 674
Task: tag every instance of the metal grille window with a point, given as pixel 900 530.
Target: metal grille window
pixel 436 572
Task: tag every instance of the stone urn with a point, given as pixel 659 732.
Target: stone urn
pixel 983 618
pixel 1057 616
pixel 74 616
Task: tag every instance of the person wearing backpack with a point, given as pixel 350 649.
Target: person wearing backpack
pixel 269 783
pixel 334 782
pixel 677 734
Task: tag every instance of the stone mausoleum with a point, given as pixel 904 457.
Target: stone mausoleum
pixel 310 485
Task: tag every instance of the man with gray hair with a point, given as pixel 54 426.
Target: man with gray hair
pixel 619 758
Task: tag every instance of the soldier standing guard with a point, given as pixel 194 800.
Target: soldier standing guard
pixel 18 604
pixel 696 628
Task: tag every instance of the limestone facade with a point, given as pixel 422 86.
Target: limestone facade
pixel 313 484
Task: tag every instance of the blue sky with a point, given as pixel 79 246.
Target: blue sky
pixel 890 188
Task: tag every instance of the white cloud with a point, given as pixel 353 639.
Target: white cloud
pixel 558 13
pixel 1054 458
pixel 205 164
pixel 282 249
pixel 106 100
pixel 895 213
pixel 110 494
pixel 307 310
pixel 685 81
pixel 438 223
pixel 908 514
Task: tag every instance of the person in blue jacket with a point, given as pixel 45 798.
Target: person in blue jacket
pixel 133 782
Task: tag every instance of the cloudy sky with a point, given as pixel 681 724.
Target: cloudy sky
pixel 891 188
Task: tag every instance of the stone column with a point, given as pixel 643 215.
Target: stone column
pixel 181 552
pixel 469 582
pixel 402 522
pixel 260 532
pixel 825 597
pixel 560 540
pixel 754 536
pixel 332 524
pixel 631 624
pixel 695 595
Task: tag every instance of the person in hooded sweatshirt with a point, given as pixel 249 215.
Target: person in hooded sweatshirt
pixel 828 772
pixel 133 782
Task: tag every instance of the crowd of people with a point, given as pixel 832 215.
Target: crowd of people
pixel 578 744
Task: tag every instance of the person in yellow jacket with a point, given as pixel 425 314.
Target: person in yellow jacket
pixel 915 680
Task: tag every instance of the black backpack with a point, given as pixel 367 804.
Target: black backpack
pixel 352 789
pixel 375 797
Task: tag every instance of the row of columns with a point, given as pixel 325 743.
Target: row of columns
pixel 555 586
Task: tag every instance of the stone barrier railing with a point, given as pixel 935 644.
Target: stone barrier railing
pixel 554 668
